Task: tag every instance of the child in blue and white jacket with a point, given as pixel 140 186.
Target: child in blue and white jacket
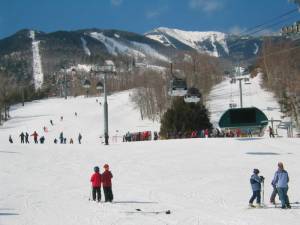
pixel 255 182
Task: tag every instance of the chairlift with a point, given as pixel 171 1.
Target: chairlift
pixel 193 95
pixel 232 105
pixel 178 87
pixel 247 81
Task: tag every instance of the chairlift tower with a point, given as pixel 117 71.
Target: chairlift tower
pixel 107 69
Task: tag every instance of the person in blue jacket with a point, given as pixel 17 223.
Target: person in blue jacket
pixel 255 182
pixel 281 180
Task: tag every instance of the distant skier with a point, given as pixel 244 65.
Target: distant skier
pixel 55 141
pixel 71 141
pixel 45 129
pixel 271 132
pixel 281 180
pixel 22 136
pixel 106 183
pixel 155 136
pixel 26 138
pixel 75 114
pixel 42 140
pixel 79 138
pixel 96 184
pixel 51 122
pixel 255 182
pixel 61 118
pixel 10 139
pixel 65 140
pixel 61 137
pixel 35 137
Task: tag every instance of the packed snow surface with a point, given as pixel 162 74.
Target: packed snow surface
pixel 38 75
pixel 115 46
pixel 201 181
pixel 85 47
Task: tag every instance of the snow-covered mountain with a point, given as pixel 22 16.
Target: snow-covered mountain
pixel 214 43
pixel 44 56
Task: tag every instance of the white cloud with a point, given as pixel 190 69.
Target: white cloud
pixel 206 5
pixel 116 2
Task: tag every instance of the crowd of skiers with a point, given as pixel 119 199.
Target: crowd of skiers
pixel 104 180
pixel 24 136
pixel 279 184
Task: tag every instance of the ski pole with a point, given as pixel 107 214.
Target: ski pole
pixel 90 194
pixel 263 192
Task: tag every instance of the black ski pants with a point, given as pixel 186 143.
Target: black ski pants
pixel 96 193
pixel 255 195
pixel 108 194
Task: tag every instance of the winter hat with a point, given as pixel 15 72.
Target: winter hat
pixel 96 169
pixel 106 166
pixel 256 171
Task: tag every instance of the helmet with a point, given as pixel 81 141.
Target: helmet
pixel 256 171
pixel 106 166
pixel 96 169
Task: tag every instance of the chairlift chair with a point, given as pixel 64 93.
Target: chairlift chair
pixel 193 95
pixel 247 81
pixel 232 105
pixel 178 87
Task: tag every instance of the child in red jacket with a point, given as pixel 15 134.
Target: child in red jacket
pixel 96 184
pixel 106 183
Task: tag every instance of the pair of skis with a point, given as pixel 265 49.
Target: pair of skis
pixel 276 205
pixel 149 212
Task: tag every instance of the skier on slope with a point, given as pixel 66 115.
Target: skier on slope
pixel 10 139
pixel 26 138
pixel 255 182
pixel 35 136
pixel 281 180
pixel 106 183
pixel 79 138
pixel 22 136
pixel 96 184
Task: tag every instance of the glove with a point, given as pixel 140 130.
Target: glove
pixel 262 178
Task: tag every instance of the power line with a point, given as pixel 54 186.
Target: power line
pixel 253 30
pixel 257 31
pixel 270 20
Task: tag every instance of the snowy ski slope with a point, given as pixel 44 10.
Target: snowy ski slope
pixel 202 181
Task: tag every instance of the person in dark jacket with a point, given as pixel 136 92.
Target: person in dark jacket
pixel 10 139
pixel 42 140
pixel 26 138
pixel 255 182
pixel 281 180
pixel 22 136
pixel 106 183
pixel 61 137
pixel 79 138
pixel 96 184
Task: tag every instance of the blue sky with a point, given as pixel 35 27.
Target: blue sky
pixel 138 15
